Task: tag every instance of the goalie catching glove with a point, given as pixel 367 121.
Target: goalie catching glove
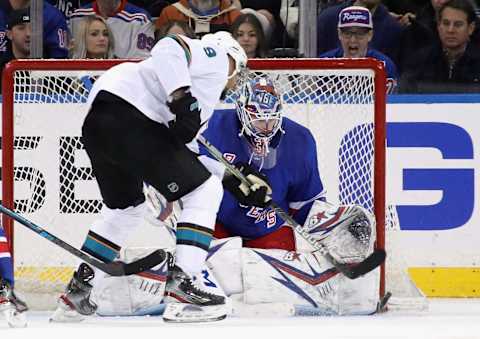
pixel 347 231
pixel 187 111
pixel 257 194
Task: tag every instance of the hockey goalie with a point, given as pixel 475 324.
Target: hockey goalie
pixel 257 259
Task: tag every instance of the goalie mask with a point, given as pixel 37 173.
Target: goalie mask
pixel 259 110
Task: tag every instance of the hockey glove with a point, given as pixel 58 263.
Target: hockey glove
pixel 257 194
pixel 187 121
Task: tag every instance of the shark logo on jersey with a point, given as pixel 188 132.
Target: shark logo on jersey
pixel 316 279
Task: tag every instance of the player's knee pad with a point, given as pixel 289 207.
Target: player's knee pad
pixel 200 206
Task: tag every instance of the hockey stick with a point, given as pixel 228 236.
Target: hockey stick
pixel 116 268
pixel 351 271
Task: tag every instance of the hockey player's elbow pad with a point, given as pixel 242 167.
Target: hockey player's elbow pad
pixel 187 121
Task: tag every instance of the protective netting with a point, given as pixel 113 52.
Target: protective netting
pixel 54 185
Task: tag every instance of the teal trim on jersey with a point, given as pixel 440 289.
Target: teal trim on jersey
pixel 189 235
pixel 183 44
pixel 99 250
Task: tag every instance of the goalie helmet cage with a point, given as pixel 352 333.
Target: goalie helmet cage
pixel 47 176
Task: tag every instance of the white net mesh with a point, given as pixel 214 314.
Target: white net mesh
pixel 55 188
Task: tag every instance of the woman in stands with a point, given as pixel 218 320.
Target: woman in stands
pixel 93 40
pixel 247 30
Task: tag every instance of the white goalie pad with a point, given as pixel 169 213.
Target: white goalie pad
pixel 137 294
pixel 225 262
pixel 305 280
pixel 283 283
pixel 348 231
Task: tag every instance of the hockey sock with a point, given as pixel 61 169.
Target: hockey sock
pixel 193 242
pixel 196 223
pixel 109 233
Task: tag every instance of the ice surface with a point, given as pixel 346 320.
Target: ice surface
pixel 446 318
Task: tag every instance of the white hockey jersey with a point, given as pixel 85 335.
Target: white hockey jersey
pixel 131 26
pixel 176 61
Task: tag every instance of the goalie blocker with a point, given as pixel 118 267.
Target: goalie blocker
pixel 277 282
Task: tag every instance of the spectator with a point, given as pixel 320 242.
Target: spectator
pixel 203 16
pixel 174 27
pixel 68 6
pixel 130 25
pixel 268 13
pixel 55 31
pixel 422 32
pixel 453 63
pixel 248 31
pixel 19 31
pixel 355 31
pixel 93 39
pixel 387 30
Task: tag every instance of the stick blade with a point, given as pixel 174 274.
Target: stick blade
pixel 118 268
pixel 370 263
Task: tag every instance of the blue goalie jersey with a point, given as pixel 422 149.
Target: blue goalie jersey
pixel 294 176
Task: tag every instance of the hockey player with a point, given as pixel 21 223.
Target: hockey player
pixel 260 139
pixel 258 262
pixel 13 308
pixel 141 127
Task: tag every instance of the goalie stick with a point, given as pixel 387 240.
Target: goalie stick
pixel 116 268
pixel 351 271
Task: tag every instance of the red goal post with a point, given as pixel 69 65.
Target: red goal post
pixel 312 87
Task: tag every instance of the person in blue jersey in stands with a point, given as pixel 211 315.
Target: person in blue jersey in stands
pixel 55 31
pixel 355 31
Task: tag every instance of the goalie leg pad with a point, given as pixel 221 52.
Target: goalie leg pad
pixel 305 280
pixel 139 294
pixel 224 260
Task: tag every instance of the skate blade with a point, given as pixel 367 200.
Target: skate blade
pixel 15 319
pixel 65 314
pixel 189 313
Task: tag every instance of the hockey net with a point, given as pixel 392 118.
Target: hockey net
pixel 47 176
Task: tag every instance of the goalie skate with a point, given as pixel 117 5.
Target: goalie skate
pixel 194 298
pixel 12 308
pixel 75 303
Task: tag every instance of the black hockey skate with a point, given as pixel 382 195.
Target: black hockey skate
pixel 193 298
pixel 13 308
pixel 75 303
